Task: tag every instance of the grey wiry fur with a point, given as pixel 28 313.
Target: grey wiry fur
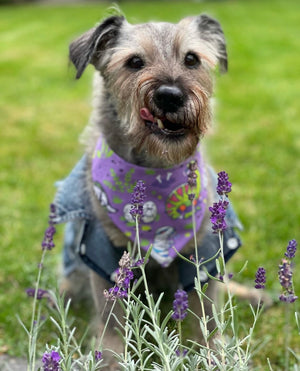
pixel 152 93
pixel 162 46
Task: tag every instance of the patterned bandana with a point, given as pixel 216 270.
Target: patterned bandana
pixel 167 213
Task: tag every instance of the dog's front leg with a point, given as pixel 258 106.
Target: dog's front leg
pixel 111 340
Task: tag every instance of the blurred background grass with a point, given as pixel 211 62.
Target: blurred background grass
pixel 257 140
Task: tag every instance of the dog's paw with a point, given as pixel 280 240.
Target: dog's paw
pixel 75 286
pixel 254 296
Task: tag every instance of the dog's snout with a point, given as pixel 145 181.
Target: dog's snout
pixel 169 98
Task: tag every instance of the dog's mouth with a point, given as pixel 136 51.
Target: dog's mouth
pixel 161 125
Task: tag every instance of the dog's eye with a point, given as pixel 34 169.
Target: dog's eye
pixel 191 60
pixel 135 63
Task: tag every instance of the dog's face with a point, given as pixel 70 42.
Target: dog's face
pixel 157 78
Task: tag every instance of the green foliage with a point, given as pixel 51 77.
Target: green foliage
pixel 43 111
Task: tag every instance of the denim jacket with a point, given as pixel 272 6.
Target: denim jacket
pixel 87 245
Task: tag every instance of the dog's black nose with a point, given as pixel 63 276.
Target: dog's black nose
pixel 169 98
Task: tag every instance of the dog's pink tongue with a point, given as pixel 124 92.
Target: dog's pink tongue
pixel 146 115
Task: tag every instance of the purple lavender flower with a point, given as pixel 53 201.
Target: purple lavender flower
pixel 50 231
pixel 123 279
pixel 139 262
pixel 193 259
pixel 180 305
pixel 218 212
pixel 285 275
pixel 224 186
pixel 51 361
pixel 52 214
pixel 288 298
pixel 40 293
pixel 260 278
pixel 181 352
pixel 42 319
pixel 192 178
pixel 291 249
pixel 137 200
pixel 98 355
pixel 48 238
pixel 221 277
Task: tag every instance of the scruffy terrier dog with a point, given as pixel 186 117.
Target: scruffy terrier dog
pixel 152 92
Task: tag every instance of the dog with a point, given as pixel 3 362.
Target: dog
pixel 152 105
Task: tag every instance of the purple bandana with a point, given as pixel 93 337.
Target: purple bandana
pixel 167 214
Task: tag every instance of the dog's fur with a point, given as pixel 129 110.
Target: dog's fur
pixel 120 92
pixel 157 70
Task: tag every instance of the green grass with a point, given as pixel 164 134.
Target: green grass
pixel 257 140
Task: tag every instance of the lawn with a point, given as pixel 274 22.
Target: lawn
pixel 257 141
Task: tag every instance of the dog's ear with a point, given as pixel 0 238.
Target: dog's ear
pixel 212 32
pixel 89 46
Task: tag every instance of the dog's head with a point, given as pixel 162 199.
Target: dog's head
pixel 157 77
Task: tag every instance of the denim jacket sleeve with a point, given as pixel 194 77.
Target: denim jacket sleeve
pixel 85 242
pixel 72 200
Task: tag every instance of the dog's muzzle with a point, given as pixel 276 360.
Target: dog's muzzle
pixel 161 125
pixel 168 99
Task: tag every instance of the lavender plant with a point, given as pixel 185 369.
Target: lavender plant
pixel 124 275
pixel 51 361
pixel 180 305
pixel 204 356
pixel 37 293
pixel 260 278
pixel 285 275
pixel 150 341
pixel 59 357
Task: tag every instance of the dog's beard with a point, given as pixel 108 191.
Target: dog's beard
pixel 155 144
pixel 171 137
pixel 160 137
